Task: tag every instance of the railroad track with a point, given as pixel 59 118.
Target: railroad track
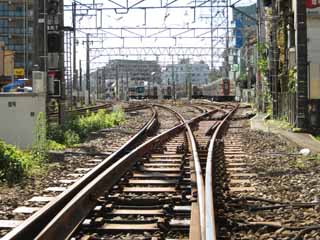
pixel 59 196
pixel 53 116
pixel 243 210
pixel 161 189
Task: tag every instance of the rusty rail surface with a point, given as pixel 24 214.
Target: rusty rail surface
pixel 210 227
pixel 68 219
pixel 198 172
pixel 31 227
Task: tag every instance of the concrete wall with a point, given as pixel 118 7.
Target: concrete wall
pixel 18 114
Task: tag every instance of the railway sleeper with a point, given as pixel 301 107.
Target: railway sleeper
pixel 129 226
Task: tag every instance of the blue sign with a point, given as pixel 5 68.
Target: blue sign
pixel 238 33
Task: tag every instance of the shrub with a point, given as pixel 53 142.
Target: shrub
pixel 53 145
pixel 12 163
pixel 76 128
pixel 71 138
pixel 40 146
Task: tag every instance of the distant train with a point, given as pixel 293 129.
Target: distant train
pixel 222 89
pixel 143 92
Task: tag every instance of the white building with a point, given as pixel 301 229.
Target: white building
pixel 185 72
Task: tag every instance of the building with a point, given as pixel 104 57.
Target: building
pixel 290 60
pixel 243 55
pixel 183 74
pixel 6 65
pixel 16 29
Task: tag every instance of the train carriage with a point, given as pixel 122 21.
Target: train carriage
pixel 222 89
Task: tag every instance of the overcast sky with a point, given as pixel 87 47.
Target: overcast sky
pixel 160 18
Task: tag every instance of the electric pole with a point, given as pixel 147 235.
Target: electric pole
pixel 75 75
pixel 88 69
pixel 211 27
pixel 173 82
pixel 80 76
pixel 258 74
pixel 227 43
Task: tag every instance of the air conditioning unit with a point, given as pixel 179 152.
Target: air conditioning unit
pixel 39 82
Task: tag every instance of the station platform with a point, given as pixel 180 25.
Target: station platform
pixel 303 140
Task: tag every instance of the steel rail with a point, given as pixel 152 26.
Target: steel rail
pixel 68 219
pixel 80 111
pixel 101 106
pixel 209 201
pixel 200 183
pixel 53 116
pixel 31 227
pixel 198 172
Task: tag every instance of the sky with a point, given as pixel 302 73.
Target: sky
pixel 111 23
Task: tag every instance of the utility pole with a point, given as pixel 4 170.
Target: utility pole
pixel 127 84
pixel 121 97
pixel 74 25
pixel 227 43
pixel 173 82
pixel 258 75
pixel 117 81
pixel 62 100
pixel 274 61
pixel 88 69
pixel 211 27
pixel 80 76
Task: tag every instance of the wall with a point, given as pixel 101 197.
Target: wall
pixel 18 114
pixel 314 56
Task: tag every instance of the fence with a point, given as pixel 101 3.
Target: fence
pixel 287 106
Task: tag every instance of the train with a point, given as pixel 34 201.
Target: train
pixel 222 89
pixel 143 92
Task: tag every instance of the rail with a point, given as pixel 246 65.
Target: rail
pixel 66 221
pixel 210 226
pixel 81 111
pixel 198 171
pixel 34 224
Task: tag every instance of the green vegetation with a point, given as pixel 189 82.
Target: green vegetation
pixel 16 164
pixel 76 129
pixel 292 80
pixel 262 61
pixel 12 163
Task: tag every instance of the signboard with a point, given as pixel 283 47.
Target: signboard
pixel 313 7
pixel 19 71
pixel 312 3
pixel 238 34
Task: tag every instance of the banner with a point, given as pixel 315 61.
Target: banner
pixel 313 7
